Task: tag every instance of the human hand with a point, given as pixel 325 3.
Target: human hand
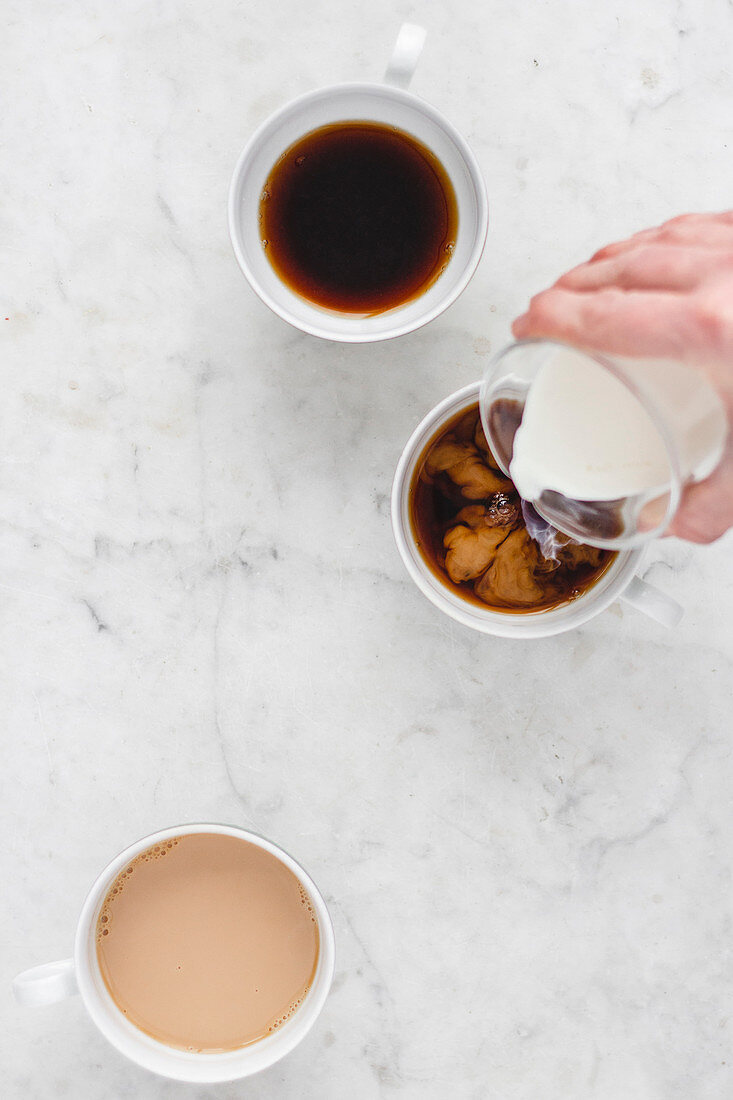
pixel 665 292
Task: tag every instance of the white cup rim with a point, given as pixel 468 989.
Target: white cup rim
pixel 168 1061
pixel 400 328
pixel 540 624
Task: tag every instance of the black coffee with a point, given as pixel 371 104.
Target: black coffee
pixel 358 217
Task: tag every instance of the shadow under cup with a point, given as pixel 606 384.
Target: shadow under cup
pixel 382 104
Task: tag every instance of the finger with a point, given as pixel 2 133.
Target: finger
pixel 708 231
pixel 684 226
pixel 618 247
pixel 637 323
pixel 700 219
pixel 646 267
pixel 717 234
pixel 706 510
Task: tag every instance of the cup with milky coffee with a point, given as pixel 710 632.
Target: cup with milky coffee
pixel 203 953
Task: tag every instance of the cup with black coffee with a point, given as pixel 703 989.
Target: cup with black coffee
pixel 358 212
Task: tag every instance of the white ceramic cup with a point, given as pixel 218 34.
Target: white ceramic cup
pixel 391 104
pixel 56 981
pixel 620 581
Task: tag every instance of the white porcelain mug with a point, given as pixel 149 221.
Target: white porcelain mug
pixel 620 580
pixel 390 104
pixel 56 981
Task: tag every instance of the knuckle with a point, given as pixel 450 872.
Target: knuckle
pixel 649 260
pixel 684 219
pixel 606 252
pixel 669 232
pixel 648 252
pixel 644 235
pixel 709 324
pixel 638 261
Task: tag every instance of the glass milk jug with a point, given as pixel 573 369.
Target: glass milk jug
pixel 601 446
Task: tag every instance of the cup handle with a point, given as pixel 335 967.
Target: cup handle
pixel 47 984
pixel 657 605
pixel 405 55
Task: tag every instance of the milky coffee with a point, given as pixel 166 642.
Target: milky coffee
pixel 207 942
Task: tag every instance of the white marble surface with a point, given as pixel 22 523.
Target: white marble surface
pixel 526 847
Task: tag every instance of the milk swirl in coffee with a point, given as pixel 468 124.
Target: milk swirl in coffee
pixel 471 529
